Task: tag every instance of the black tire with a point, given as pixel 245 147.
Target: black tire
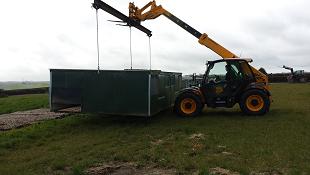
pixel 188 105
pixel 254 102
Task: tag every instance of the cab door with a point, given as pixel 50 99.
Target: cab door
pixel 215 84
pixel 223 80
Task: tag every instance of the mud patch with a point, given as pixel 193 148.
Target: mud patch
pixel 272 172
pixel 198 136
pixel 222 171
pixel 127 169
pixel 25 118
pixel 197 143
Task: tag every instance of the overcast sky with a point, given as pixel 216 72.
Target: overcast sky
pixel 37 35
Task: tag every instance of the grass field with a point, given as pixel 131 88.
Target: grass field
pixel 23 85
pixel 23 102
pixel 276 142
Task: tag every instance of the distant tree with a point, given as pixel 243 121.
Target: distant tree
pixel 262 70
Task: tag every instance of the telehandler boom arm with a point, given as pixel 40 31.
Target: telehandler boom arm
pixel 156 10
pixel 289 68
pixel 98 4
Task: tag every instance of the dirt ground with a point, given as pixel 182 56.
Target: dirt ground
pixel 127 169
pixel 25 118
pixel 118 168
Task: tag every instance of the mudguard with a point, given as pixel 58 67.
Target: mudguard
pixel 195 90
pixel 258 85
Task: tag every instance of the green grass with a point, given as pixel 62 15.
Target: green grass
pixel 22 103
pixel 23 85
pixel 278 141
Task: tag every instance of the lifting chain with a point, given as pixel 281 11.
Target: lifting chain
pixel 98 54
pixel 130 46
pixel 150 52
pixel 130 49
pixel 130 42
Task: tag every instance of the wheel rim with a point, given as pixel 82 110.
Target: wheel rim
pixel 255 103
pixel 188 106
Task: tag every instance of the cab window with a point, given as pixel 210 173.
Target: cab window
pixel 246 70
pixel 236 71
pixel 217 72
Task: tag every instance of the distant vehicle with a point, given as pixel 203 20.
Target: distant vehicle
pixel 297 76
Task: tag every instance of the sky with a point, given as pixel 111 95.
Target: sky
pixel 38 35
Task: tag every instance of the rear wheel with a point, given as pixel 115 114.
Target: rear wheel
pixel 188 105
pixel 254 102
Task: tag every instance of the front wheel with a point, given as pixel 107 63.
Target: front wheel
pixel 254 102
pixel 188 105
